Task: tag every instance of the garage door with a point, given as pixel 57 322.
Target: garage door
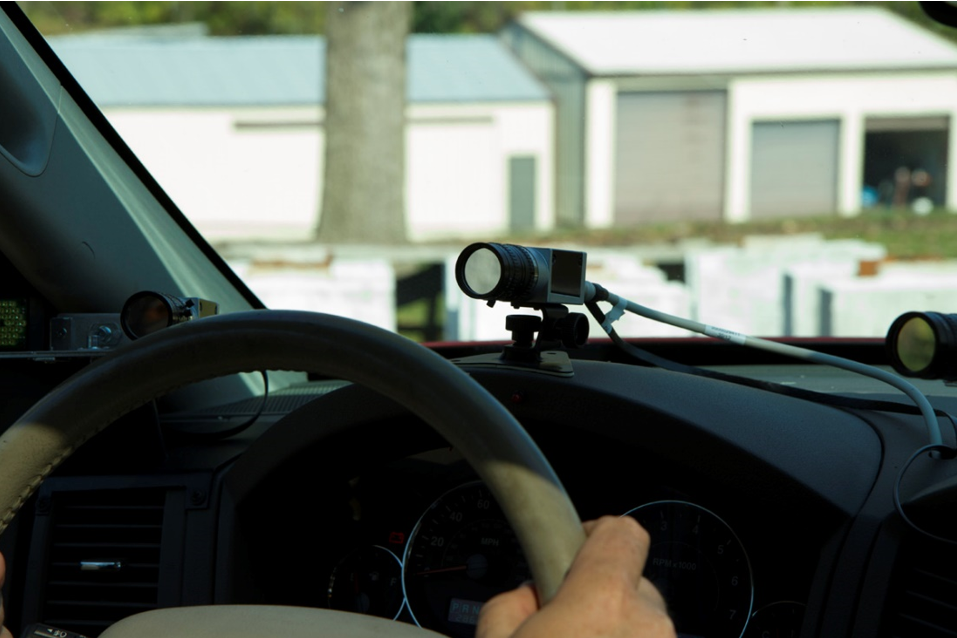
pixel 669 156
pixel 794 168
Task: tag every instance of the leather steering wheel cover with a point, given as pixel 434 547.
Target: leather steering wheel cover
pixel 487 435
pixel 259 621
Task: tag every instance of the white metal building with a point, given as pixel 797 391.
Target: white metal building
pixel 742 114
pixel 237 141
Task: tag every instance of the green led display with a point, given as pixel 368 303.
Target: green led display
pixel 13 323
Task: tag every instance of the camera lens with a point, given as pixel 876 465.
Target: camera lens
pixel 924 344
pixel 916 344
pixel 147 312
pixel 500 272
pixel 482 271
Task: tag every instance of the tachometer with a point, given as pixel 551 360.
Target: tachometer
pixel 699 566
pixel 461 553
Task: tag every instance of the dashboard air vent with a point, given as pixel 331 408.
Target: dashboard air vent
pixel 923 598
pixel 104 557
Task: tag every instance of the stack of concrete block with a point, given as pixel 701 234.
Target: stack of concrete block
pixel 627 277
pixel 745 288
pixel 360 289
pixel 866 306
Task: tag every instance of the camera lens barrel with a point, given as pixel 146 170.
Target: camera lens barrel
pixel 924 345
pixel 502 272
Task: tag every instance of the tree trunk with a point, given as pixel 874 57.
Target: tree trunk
pixel 364 182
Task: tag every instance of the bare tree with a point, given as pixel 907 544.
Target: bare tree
pixel 364 182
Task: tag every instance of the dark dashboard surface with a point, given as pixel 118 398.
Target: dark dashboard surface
pixel 767 511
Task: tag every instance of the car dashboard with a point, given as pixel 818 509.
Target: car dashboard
pixel 769 514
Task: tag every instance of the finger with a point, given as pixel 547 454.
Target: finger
pixel 502 615
pixel 646 589
pixel 4 632
pixel 615 552
pixel 653 597
pixel 3 573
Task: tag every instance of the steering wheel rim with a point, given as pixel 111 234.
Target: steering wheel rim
pixel 487 435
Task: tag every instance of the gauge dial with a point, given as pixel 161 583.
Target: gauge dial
pixel 778 620
pixel 367 581
pixel 461 553
pixel 699 566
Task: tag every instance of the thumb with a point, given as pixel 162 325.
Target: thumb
pixel 502 615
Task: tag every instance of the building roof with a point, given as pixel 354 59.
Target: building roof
pixel 740 41
pixel 137 70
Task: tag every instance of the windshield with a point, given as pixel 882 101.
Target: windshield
pixel 769 168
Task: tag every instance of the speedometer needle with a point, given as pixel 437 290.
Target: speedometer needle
pixel 457 568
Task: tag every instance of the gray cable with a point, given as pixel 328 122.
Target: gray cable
pixel 621 305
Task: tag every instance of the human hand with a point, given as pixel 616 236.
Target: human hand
pixel 603 595
pixel 4 632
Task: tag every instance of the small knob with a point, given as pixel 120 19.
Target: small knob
pixel 523 328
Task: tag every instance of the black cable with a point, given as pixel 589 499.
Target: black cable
pixel 946 453
pixel 953 422
pixel 839 401
pixel 219 435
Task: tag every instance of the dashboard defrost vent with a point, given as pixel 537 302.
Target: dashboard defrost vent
pixel 104 557
pixel 923 598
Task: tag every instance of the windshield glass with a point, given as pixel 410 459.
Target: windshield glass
pixel 773 169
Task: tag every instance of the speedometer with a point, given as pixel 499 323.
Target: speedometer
pixel 461 553
pixel 700 567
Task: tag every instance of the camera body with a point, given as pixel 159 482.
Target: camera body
pixel 520 275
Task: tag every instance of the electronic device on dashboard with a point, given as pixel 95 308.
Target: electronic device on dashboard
pixel 543 279
pixel 924 345
pixel 522 276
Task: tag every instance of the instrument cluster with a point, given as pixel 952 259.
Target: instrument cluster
pixel 461 552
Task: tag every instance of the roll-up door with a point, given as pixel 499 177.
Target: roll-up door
pixel 522 182
pixel 669 156
pixel 794 168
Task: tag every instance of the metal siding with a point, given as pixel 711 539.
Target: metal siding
pixel 741 41
pixel 566 80
pixel 794 168
pixel 669 156
pixel 281 70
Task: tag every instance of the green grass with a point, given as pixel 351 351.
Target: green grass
pixel 905 235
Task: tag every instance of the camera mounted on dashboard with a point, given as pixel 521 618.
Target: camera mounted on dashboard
pixel 924 345
pixel 543 279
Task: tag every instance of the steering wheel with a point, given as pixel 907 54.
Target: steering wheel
pixel 470 419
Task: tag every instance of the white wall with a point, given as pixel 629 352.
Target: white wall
pixel 229 181
pixel 257 173
pixel 457 164
pixel 868 306
pixel 846 97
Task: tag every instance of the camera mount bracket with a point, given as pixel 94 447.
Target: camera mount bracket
pixel 557 328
